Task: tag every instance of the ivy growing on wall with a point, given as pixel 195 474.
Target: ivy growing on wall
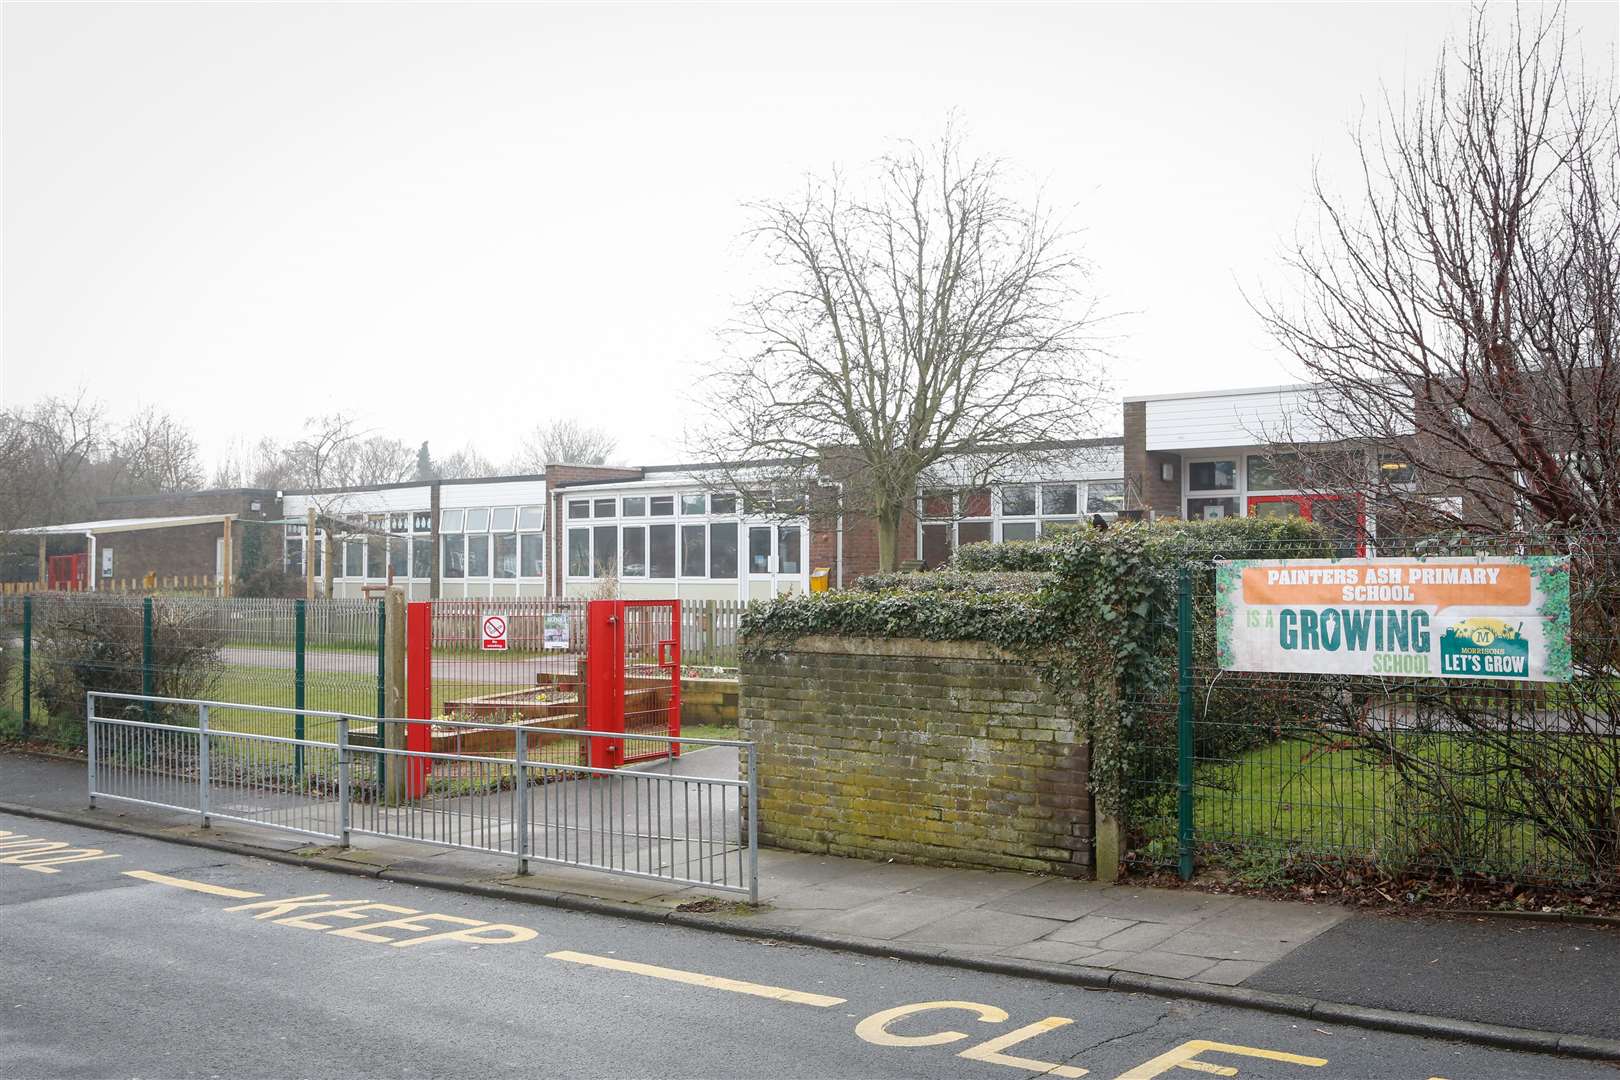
pixel 1093 611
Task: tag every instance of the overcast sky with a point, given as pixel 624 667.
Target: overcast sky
pixel 457 220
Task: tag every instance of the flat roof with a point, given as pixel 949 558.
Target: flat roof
pixel 106 525
pixel 1241 391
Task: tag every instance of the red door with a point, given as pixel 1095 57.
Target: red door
pixel 1341 515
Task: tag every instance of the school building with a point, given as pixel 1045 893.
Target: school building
pixel 670 532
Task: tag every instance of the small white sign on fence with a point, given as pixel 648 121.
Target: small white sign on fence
pixel 556 630
pixel 495 633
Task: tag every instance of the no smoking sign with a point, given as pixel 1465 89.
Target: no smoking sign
pixel 495 632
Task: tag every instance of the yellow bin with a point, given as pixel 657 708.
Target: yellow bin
pixel 818 578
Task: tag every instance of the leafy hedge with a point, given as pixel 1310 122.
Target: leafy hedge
pixel 957 581
pixel 1094 611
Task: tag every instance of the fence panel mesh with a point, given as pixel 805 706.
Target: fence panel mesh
pixel 1313 774
pixel 250 651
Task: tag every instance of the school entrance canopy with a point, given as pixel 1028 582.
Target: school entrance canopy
pixel 93 530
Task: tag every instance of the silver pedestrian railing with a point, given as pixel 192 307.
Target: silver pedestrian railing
pixel 521 790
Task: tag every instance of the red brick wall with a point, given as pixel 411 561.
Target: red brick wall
pixel 1145 485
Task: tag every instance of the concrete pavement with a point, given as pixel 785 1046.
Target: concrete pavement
pixel 123 955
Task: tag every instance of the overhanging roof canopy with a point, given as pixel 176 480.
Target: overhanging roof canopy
pixel 113 525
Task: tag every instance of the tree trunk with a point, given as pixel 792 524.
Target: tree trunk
pixel 888 523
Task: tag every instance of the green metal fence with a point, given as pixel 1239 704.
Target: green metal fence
pixel 1285 776
pixel 320 655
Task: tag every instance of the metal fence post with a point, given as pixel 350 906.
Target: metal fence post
pixel 343 779
pixel 520 793
pixel 298 687
pixel 90 744
pixel 1184 723
pixel 147 674
pixel 28 664
pixel 753 826
pixel 202 763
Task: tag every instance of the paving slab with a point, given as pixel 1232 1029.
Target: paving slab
pixel 980 886
pixel 890 918
pixel 1057 899
pixel 1163 964
pixel 1230 972
pixel 980 926
pixel 1140 937
pixel 1197 941
pixel 1090 929
pixel 1049 951
pixel 1167 905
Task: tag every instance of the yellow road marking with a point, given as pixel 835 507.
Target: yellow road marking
pixel 186 883
pixel 692 978
pixel 1185 1056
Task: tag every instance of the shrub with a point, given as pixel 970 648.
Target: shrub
pixel 83 644
pixel 956 581
pixel 269 583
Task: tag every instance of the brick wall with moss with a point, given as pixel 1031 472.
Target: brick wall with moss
pixel 944 752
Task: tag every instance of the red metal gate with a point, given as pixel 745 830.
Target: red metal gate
pixel 600 665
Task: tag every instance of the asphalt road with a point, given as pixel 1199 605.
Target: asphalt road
pixel 140 958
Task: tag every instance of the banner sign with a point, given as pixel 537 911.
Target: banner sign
pixel 1467 617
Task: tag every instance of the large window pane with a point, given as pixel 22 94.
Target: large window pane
pixel 534 555
pixel 354 559
pixel 532 517
pixel 1018 530
pixel 604 508
pixel 503 520
pixel 723 550
pixel 478 555
pixel 635 551
pixel 422 557
pixel 1018 500
pixel 295 558
pixel 506 555
pixel 1212 476
pixel 1059 500
pixel 694 561
pixel 692 504
pixel 579 508
pixel 661 551
pixel 454 554
pixel 787 550
pixel 635 506
pixel 450 520
pixel 376 556
pixel 722 504
pixel 1211 509
pixel 579 553
pixel 936 545
pixel 399 556
pixel 662 506
pixel 1273 472
pixel 605 554
pixel 972 532
pixel 759 550
pixel 477 521
pixel 1105 496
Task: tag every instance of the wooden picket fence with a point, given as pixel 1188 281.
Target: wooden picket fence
pixel 151 585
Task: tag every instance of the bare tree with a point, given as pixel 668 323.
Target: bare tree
pixel 381 460
pixel 325 456
pixel 923 319
pixel 565 441
pixel 155 452
pixel 1462 303
pixel 52 451
pixel 466 464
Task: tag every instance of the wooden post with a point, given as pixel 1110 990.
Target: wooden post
pixel 328 569
pixel 225 561
pixel 309 554
pixel 44 561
